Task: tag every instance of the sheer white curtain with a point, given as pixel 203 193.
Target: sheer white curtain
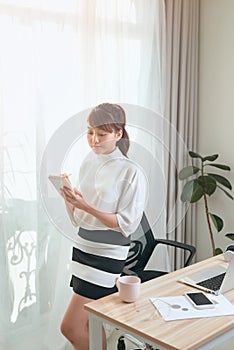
pixel 58 58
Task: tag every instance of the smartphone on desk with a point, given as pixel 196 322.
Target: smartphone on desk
pixel 199 300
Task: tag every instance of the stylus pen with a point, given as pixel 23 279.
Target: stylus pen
pixel 199 287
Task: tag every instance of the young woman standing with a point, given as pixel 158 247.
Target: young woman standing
pixel 108 208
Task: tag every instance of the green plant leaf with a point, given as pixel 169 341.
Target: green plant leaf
pixel 192 192
pixel 220 166
pixel 188 171
pixel 194 155
pixel 208 184
pixel 222 180
pixel 228 194
pixel 217 221
pixel 197 194
pixel 230 235
pixel 187 191
pixel 218 251
pixel 211 158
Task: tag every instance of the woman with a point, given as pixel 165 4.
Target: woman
pixel 107 208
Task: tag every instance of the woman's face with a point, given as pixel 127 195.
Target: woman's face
pixel 101 141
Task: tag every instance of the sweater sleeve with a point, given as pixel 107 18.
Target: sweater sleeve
pixel 132 202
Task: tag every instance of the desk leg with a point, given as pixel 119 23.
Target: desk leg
pixel 95 332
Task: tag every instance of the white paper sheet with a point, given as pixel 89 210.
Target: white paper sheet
pixel 179 308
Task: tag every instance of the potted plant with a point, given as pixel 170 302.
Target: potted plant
pixel 202 185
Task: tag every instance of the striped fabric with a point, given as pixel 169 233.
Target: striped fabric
pixel 97 260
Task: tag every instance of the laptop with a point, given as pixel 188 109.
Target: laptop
pixel 217 280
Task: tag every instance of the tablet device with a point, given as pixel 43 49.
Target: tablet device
pixel 59 181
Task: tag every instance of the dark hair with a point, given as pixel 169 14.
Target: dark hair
pixel 109 117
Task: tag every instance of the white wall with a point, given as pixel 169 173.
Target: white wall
pixel 216 109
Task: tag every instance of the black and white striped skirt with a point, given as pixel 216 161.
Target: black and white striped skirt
pixel 97 260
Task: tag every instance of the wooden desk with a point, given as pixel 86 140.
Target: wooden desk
pixel 139 318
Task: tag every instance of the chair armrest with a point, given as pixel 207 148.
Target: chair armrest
pixel 190 248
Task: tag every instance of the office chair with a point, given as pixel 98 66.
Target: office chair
pixel 142 247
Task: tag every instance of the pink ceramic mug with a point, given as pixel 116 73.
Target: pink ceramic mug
pixel 129 288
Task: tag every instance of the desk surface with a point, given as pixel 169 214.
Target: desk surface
pixel 140 317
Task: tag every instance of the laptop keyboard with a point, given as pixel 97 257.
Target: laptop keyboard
pixel 213 283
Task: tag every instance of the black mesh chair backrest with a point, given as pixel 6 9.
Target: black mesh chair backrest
pixel 142 246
